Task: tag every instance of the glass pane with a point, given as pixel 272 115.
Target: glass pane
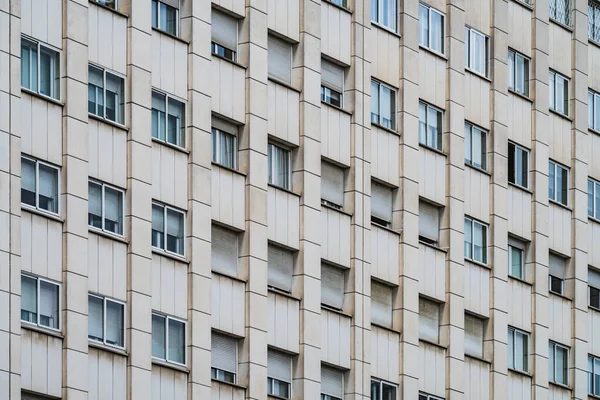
pixel 422 123
pixel 468 238
pixel 511 70
pixel 26 64
pixel 478 61
pixel 115 102
pixel 375 10
pixel 389 13
pixel 95 205
pixel 516 259
pixel 590 375
pixel 597 200
pixel 375 390
pixel 437 32
pixel 479 240
pixel 49 305
pixel 511 348
pixel 28 181
pixel 387 107
pixel 468 139
pixel 158 115
pixel 520 78
pixel 561 365
pixel 551 87
pixel 158 226
pixel 175 231
pixel 551 181
pixel 596 116
pixel 374 100
pixel 29 300
pixel 433 127
pixel 226 148
pixel 562 185
pixel 560 95
pixel 95 318
pixel 524 356
pixel 114 323
pixel 590 198
pixel 49 72
pixel 48 185
pixel 176 341
pixel 176 123
pixel 388 392
pixel 168 19
pixel 113 210
pixel 158 337
pixel 423 25
pixel 478 148
pixel 590 110
pixel 155 13
pixel 597 376
pixel 551 363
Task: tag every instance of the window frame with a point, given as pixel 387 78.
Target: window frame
pixel 556 166
pixel 216 156
pixel 518 148
pixel 222 371
pixel 485 227
pixel 103 207
pixel 272 165
pixel 595 99
pixel 427 46
pixel 594 362
pixel 554 346
pixel 114 74
pixel 216 46
pixel 470 49
pixel 394 98
pixel 484 134
pixel 182 128
pixel 552 96
pixel 379 20
pixel 106 299
pixel 158 15
pixel 440 139
pixel 595 289
pixel 57 74
pixel 271 380
pixel 37 186
pixel 513 83
pixel 58 285
pixel 593 31
pixel 168 318
pixel 183 213
pixel 512 247
pixel 594 203
pixel 381 383
pixel 514 332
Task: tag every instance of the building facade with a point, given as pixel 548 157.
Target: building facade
pixel 299 199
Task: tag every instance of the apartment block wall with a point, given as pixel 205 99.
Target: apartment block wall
pixel 61 248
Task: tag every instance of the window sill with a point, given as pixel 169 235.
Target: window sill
pixel 172 146
pixel 284 84
pixel 175 37
pixel 284 190
pixel 237 64
pixel 436 248
pixel 525 5
pixel 108 235
pixel 440 152
pixel 590 218
pixel 477 74
pixel 562 296
pixel 520 187
pixel 335 310
pixel 477 358
pixel 556 203
pixel 560 385
pixel 521 95
pixel 109 9
pixel 385 228
pixel 335 107
pixel 166 364
pixel 385 129
pixel 524 373
pixel 387 328
pixel 385 28
pixel 592 130
pixel 566 27
pixel 594 308
pixel 597 44
pixel 55 217
pixel 111 349
pixel 235 278
pixel 559 114
pixel 431 342
pixel 172 256
pixel 42 96
pixel 435 53
pixel 108 121
pixel 523 281
pixel 479 263
pixel 40 329
pixel 338 6
pixel 272 396
pixel 483 171
pixel 282 292
pixel 235 171
pixel 341 211
pixel 233 385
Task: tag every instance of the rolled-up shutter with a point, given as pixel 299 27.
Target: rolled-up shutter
pixel 332 382
pixel 281 268
pixel 473 336
pixel 594 278
pixel 429 221
pixel 381 201
pixel 557 266
pixel 224 30
pixel 224 353
pixel 279 366
pixel 332 75
pixel 224 250
pixel 279 59
pixel 332 286
pixel 332 183
pixel 381 304
pixel 429 320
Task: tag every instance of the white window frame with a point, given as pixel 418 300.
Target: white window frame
pixel 38 280
pixel 394 96
pixel 556 166
pixel 104 321
pixel 553 12
pixel 381 383
pixel 427 46
pixel 470 62
pixel 440 135
pixel 182 128
pixel 553 346
pixel 593 369
pixel 102 115
pixel 379 20
pixel 595 193
pixel 158 15
pixel 511 248
pixel 513 72
pixel 593 105
pixel 55 75
pixel 593 24
pixel 485 228
pixel 272 166
pixel 102 203
pixel 37 186
pixel 473 130
pixel 514 332
pixel 177 210
pixel 168 318
pixel 557 78
pixel 518 150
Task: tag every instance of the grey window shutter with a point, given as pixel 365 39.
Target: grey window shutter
pixel 557 266
pixel 594 278
pixel 224 30
pixel 429 317
pixel 381 201
pixel 171 3
pixel 332 382
pixel 332 183
pixel 429 221
pixel 224 250
pixel 279 366
pixel 224 353
pixel 281 268
pixel 280 59
pixel 516 243
pixel 224 126
pixel 381 304
pixel 473 336
pixel 332 286
pixel 332 75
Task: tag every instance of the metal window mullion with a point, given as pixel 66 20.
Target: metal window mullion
pixel 217 140
pixel 102 209
pixel 104 93
pixel 38 67
pixel 429 30
pixel 37 311
pixel 104 316
pixel 289 164
pixel 167 118
pixel 235 154
pixel 165 228
pixel 37 184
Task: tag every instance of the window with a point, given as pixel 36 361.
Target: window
pixel 39 185
pixel 108 3
pixel 381 204
pixel 594 108
pixel 224 254
pixel 560 11
pixel 431 28
pixel 40 302
pixel 279 374
pixel 105 207
pixel 381 304
pixel 332 383
pixel 223 358
pixel 430 126
pixel 106 321
pixel 280 165
pixel 164 16
pixel 332 286
pixel 169 222
pixel 425 396
pixel 279 59
pixel 593 375
pixel 106 95
pixel 40 68
pixel 224 35
pixel 477 51
pixel 557 274
pixel 224 143
pixel 332 185
pixel 475 146
pixel 473 336
pixel 381 390
pixel 429 223
pixel 383 105
pixel 594 21
pixel 558 363
pixel 518 73
pixel 168 339
pixel 332 83
pixel 559 93
pixel 429 320
pixel 593 198
pixel 516 258
pixel 168 119
pixel 518 350
pixel 518 165
pixel 475 240
pixel 280 268
pixel 383 12
pixel 558 183
pixel 594 290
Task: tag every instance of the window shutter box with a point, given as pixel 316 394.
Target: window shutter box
pixel 381 201
pixel 594 278
pixel 429 316
pixel 224 126
pixel 279 366
pixel 429 221
pixel 332 183
pixel 381 304
pixel 224 30
pixel 332 382
pixel 332 286
pixel 224 353
pixel 557 266
pixel 171 3
pixel 279 59
pixel 224 250
pixel 281 267
pixel 332 75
